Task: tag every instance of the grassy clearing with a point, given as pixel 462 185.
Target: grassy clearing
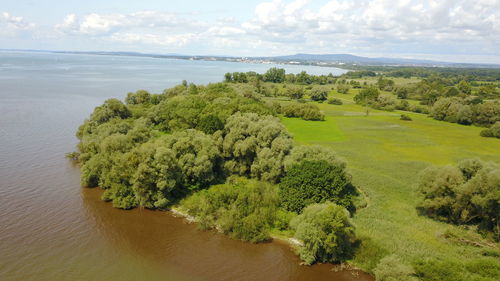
pixel 385 155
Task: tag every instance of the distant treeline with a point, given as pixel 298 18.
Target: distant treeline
pixel 478 74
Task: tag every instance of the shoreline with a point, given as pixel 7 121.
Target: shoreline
pixel 291 241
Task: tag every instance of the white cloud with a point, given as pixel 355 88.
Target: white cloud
pixel 281 26
pixel 168 41
pixel 14 25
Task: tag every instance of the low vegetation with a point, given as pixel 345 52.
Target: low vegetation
pixel 241 208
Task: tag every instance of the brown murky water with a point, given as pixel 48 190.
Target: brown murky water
pixel 52 229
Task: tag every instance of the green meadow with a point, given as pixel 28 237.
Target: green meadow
pixel 384 156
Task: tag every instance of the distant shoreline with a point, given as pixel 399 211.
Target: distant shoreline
pixel 342 61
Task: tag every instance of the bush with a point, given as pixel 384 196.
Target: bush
pixel 467 194
pixel 305 111
pixel 335 101
pixel 385 102
pixel 295 91
pixel 326 232
pixel 254 146
pixel 313 153
pixel 315 182
pixel 437 187
pixel 319 94
pixel 492 132
pixel 343 88
pixel 403 105
pixel 405 117
pixel 241 208
pixel 402 93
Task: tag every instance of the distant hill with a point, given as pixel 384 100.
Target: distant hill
pixel 336 60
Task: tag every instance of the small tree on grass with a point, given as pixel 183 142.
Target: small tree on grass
pixel 326 232
pixel 367 96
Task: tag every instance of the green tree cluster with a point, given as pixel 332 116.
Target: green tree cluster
pixel 458 110
pixel 241 208
pixel 465 194
pixel 492 132
pixel 302 110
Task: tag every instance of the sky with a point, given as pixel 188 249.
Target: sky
pixel 446 30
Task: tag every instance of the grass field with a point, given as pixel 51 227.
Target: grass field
pixel 385 155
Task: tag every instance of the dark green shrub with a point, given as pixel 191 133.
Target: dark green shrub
pixel 335 101
pixel 405 117
pixel 315 182
pixel 319 94
pixel 492 132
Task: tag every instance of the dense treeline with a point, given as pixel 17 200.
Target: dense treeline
pixel 301 110
pixel 223 154
pixel 278 75
pixel 476 74
pixel 464 111
pixel 468 193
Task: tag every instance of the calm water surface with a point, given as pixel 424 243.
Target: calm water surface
pixel 52 229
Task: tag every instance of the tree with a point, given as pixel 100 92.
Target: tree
pixel 385 102
pixel 487 113
pixel 295 92
pixel 343 88
pixel 326 232
pixel 255 146
pixel 112 108
pixel 313 153
pixel 315 182
pixel 478 200
pixel 437 187
pixel 385 84
pixel 209 124
pixel 467 194
pixel 402 93
pixel 464 87
pixel 319 94
pixel 275 75
pixel 303 78
pixel 139 97
pixel 492 132
pixel 367 96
